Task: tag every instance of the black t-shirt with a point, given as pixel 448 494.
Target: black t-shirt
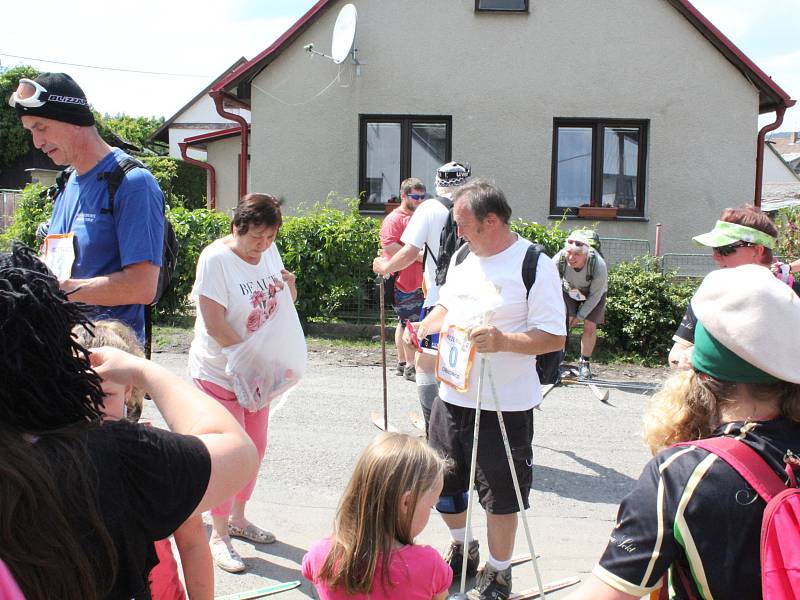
pixel 685 331
pixel 149 481
pixel 691 506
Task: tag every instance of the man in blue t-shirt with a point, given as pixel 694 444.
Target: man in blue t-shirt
pixel 117 254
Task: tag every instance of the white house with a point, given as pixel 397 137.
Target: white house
pixel 196 117
pixel 563 104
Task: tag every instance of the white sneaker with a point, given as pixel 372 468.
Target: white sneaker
pixel 225 556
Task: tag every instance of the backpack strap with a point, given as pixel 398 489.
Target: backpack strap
pixel 462 253
pixel 562 265
pixel 115 178
pixel 590 267
pixel 745 461
pixel 529 265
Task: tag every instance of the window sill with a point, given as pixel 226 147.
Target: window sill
pixel 569 217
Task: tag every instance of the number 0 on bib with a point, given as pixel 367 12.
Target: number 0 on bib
pixel 454 359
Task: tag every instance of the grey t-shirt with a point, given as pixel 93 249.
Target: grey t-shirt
pixel 594 290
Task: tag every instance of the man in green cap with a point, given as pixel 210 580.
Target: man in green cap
pixel 742 236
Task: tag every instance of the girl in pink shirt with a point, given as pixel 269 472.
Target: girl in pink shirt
pixel 371 554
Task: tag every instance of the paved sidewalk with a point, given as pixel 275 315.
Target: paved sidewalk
pixel 587 455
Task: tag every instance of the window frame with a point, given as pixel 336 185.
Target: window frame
pixel 598 140
pixel 406 122
pixel 478 8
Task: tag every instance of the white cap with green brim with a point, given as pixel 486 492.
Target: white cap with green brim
pixel 725 233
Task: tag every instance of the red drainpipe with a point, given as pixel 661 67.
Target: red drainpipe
pixel 762 135
pixel 212 174
pixel 218 97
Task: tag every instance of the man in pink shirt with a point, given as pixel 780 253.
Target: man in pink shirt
pixel 408 296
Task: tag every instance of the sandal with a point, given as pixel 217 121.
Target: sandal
pixel 226 557
pixel 252 533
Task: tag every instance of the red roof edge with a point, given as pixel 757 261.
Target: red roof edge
pixel 272 52
pixel 213 136
pixel 761 80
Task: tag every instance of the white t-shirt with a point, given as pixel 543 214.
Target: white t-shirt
pixel 514 375
pixel 245 290
pixel 425 227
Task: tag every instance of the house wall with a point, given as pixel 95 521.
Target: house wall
pixel 201 117
pixel 503 78
pixel 776 170
pixel 224 156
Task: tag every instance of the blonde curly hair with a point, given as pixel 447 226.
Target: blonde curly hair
pixel 115 334
pixel 688 406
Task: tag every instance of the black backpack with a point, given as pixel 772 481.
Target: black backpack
pixel 548 366
pixel 114 178
pixel 449 243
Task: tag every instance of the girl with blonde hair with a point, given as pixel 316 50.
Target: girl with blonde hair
pixel 371 554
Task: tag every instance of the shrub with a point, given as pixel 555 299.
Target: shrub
pixel 644 308
pixel 787 220
pixel 552 237
pixel 183 184
pixel 330 251
pixel 32 209
pixel 195 229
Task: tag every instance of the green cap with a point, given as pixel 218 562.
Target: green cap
pixel 725 233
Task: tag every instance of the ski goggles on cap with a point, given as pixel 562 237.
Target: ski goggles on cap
pixel 28 94
pixel 725 234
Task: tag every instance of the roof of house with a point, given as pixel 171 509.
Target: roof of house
pixel 779 195
pixel 162 133
pixel 200 141
pixel 771 95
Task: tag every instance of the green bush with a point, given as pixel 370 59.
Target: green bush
pixel 195 229
pixel 330 251
pixel 787 220
pixel 32 209
pixel 183 184
pixel 644 308
pixel 552 237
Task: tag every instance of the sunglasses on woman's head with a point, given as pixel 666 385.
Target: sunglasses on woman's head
pixel 731 248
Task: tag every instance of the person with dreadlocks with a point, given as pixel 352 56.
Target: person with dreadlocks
pixel 83 500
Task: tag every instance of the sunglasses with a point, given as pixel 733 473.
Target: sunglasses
pixel 28 94
pixel 731 248
pixel 576 243
pixel 416 196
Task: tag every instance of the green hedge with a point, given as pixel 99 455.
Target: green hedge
pixel 330 250
pixel 31 210
pixel 644 308
pixel 195 229
pixel 552 237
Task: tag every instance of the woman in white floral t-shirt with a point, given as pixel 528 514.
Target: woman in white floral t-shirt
pixel 240 285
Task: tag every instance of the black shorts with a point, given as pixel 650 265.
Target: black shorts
pixel 451 430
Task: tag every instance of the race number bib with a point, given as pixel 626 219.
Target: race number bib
pixel 454 359
pixel 59 254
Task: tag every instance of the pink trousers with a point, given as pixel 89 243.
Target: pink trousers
pixel 254 423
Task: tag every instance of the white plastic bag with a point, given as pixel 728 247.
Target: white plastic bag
pixel 270 361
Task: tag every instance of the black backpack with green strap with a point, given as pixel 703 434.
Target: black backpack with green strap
pixel 548 365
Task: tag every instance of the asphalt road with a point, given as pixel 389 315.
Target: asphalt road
pixel 587 455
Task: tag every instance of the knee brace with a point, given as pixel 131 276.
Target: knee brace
pixel 453 505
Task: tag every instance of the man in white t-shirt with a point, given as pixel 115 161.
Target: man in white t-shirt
pixel 422 234
pixel 485 313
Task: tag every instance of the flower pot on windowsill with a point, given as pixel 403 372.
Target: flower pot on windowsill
pixel 389 207
pixel 597 212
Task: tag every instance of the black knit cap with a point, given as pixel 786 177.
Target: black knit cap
pixel 65 101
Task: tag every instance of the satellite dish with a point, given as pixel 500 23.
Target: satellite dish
pixel 344 32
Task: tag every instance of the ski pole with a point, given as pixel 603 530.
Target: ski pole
pixel 514 478
pixel 383 352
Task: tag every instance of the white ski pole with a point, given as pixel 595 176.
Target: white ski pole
pixel 514 478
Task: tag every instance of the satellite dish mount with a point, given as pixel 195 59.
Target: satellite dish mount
pixel 344 34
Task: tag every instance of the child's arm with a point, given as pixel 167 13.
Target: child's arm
pixel 198 569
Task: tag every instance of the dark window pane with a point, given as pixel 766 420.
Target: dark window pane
pixel 383 161
pixel 574 167
pixel 428 151
pixel 620 166
pixel 502 5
